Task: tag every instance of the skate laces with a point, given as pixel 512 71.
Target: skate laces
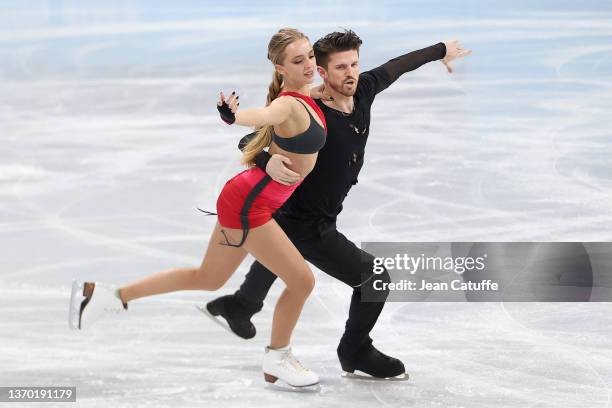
pixel 114 309
pixel 290 359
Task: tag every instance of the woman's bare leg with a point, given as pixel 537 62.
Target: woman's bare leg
pixel 269 244
pixel 218 265
pixel 271 247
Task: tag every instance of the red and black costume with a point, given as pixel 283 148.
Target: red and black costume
pixel 249 199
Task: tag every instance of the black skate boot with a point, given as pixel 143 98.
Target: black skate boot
pixel 369 363
pixel 236 313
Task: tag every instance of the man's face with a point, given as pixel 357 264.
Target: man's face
pixel 342 72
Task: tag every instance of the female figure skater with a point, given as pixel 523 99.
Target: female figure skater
pixel 292 125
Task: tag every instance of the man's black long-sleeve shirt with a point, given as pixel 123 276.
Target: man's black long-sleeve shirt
pixel 320 196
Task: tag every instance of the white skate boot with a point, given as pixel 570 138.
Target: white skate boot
pixel 281 364
pixel 89 301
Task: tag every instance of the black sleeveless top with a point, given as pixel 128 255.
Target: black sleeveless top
pixel 309 141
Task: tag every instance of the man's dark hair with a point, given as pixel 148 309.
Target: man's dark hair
pixel 335 42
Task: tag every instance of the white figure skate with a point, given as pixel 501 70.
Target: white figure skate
pixel 90 301
pixel 282 365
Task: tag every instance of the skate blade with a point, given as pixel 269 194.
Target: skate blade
pixel 282 386
pixel 218 320
pixel 358 375
pixel 74 311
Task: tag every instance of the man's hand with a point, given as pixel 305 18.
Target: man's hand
pixel 453 51
pixel 277 169
pixel 316 92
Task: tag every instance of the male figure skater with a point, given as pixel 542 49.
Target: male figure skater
pixel 309 216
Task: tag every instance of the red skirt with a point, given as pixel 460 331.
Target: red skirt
pixel 249 199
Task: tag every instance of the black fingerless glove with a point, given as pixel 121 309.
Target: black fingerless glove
pixel 226 113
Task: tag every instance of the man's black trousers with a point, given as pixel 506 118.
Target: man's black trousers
pixel 330 251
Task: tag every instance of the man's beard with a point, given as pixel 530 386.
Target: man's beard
pixel 339 87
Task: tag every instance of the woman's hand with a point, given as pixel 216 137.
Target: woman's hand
pixel 227 109
pixel 453 51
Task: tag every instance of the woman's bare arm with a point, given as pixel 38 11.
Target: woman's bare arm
pixel 274 114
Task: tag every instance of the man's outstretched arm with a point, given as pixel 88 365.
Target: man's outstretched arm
pixel 409 62
pixel 390 71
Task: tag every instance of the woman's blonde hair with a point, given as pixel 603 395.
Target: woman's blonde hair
pixel 276 55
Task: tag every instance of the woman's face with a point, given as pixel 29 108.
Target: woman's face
pixel 299 64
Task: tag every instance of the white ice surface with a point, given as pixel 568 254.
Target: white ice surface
pixel 110 140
